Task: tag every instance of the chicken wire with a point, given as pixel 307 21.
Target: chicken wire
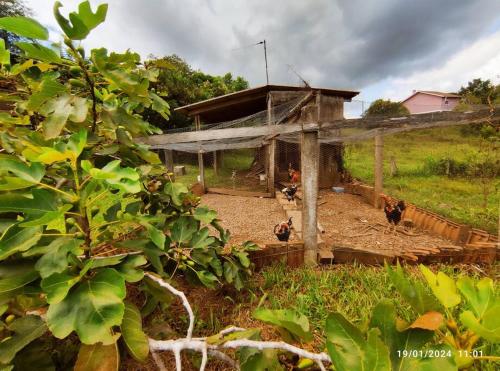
pixel 240 162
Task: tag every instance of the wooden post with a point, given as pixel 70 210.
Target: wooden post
pixel 272 151
pixel 169 159
pixel 379 169
pixel 201 167
pixel 215 164
pixel 309 175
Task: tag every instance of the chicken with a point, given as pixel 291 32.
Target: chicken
pixel 283 229
pixel 289 192
pixel 393 210
pixel 293 175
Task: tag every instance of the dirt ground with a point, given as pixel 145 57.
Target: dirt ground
pixel 345 218
pixel 248 218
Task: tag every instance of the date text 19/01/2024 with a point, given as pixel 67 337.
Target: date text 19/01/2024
pixel 437 353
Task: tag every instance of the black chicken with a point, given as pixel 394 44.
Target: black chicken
pixel 283 229
pixel 289 192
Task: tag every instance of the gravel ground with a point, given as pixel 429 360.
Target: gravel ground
pixel 345 217
pixel 248 218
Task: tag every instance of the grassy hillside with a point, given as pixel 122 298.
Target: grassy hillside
pixel 458 198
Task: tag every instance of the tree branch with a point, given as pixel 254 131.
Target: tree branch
pixel 180 294
pixel 201 345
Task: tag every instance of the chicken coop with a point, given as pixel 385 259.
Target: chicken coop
pixel 259 163
pixel 244 143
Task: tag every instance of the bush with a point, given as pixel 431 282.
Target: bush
pixel 445 166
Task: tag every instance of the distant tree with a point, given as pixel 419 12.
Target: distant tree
pixel 386 107
pixel 12 8
pixel 477 91
pixel 179 84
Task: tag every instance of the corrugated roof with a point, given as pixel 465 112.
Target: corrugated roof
pixel 246 102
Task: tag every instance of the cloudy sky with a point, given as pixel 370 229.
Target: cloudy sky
pixel 383 48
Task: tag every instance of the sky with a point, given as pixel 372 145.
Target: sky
pixel 382 48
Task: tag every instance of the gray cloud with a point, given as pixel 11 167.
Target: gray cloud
pixel 338 43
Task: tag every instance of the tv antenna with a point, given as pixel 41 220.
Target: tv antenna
pixel 306 84
pixel 263 42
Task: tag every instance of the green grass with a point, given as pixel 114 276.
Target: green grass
pixel 459 199
pixel 353 290
pixel 239 160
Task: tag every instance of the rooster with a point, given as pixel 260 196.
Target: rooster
pixel 393 211
pixel 283 229
pixel 293 175
pixel 289 192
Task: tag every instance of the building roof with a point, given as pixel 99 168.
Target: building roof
pixel 247 102
pixel 432 92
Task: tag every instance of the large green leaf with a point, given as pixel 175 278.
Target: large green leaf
pixel 442 286
pixel 57 286
pixel 156 235
pixel 61 109
pixel 91 309
pixel 32 173
pixel 201 239
pixel 10 183
pixel 39 52
pixel 24 26
pixel 129 268
pixel 176 191
pixel 295 324
pixel 26 329
pixel 159 105
pixel 4 53
pixel 55 260
pixel 183 229
pixel 48 89
pixel 412 291
pixel 82 22
pixel 41 202
pixel 135 339
pixel 430 362
pixel 123 178
pixel 207 278
pixel 52 219
pixel 16 239
pixel 98 357
pixel 384 318
pixel 489 325
pixel 350 351
pixel 204 214
pixel 11 284
pixel 34 357
pixel 480 296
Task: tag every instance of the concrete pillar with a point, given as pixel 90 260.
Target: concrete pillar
pixel 309 175
pixel 169 159
pixel 271 165
pixel 379 169
pixel 201 167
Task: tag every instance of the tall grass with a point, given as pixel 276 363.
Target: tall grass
pixel 458 198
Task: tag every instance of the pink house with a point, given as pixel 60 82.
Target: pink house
pixel 430 101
